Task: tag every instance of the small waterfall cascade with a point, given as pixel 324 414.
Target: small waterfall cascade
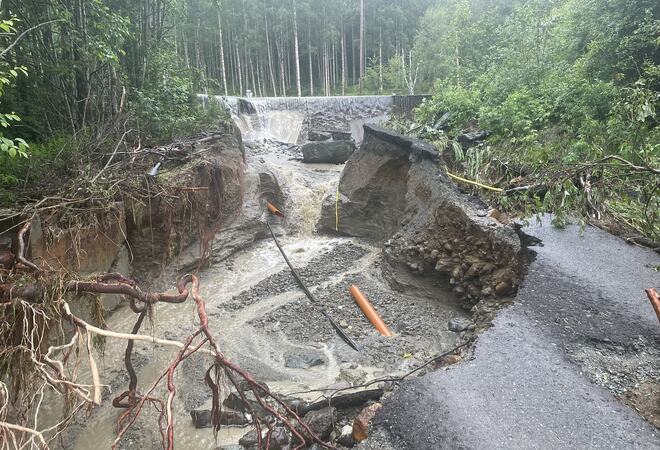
pixel 288 119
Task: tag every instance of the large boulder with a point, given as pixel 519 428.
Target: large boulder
pixel 469 139
pixel 373 185
pixel 395 189
pixel 202 418
pixel 333 152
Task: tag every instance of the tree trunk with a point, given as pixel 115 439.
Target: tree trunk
pixel 253 78
pixel 353 62
pixel 260 85
pixel 240 72
pixel 232 63
pixel 295 38
pixel 281 57
pixel 362 46
pixel 270 57
pixel 319 65
pixel 311 68
pixel 343 58
pixel 380 59
pixel 326 81
pixel 333 64
pixel 222 54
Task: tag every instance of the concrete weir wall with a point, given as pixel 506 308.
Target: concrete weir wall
pixel 405 104
pixel 289 119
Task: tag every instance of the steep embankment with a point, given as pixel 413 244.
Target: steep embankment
pixel 154 226
pixel 394 190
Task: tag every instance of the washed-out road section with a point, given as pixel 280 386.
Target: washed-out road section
pixel 534 380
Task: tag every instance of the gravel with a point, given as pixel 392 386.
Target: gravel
pixel 320 268
pixel 418 322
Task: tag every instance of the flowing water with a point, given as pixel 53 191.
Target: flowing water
pixel 288 119
pixel 259 315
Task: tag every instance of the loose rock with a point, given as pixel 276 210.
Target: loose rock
pixel 332 152
pixel 318 136
pixel 346 436
pixel 469 138
pixel 249 439
pixel 341 135
pixel 363 421
pixel 279 439
pixel 202 417
pixel 458 324
pixel 302 361
pixel 320 422
pixel 451 359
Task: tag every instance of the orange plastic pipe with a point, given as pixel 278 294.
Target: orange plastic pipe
pixel 274 210
pixel 369 311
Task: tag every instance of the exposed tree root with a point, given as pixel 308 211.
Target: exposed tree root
pixel 39 299
pixel 654 298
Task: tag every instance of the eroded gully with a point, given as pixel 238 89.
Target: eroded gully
pixel 264 322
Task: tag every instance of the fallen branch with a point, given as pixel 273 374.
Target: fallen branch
pixel 121 140
pixel 643 242
pixel 623 161
pixel 345 401
pixel 384 379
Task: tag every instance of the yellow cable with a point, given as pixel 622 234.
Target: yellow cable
pixel 475 183
pixel 337 210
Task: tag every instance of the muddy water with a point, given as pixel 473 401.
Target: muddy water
pixel 283 126
pixel 261 318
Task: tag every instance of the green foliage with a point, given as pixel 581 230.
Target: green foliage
pixel 56 155
pixel 164 105
pixel 463 103
pixel 561 85
pixel 12 147
pixel 392 77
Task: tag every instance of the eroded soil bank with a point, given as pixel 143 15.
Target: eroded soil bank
pixel 432 260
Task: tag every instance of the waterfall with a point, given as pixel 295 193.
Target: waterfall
pixel 289 119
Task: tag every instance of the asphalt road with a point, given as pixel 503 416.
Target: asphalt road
pixel 526 387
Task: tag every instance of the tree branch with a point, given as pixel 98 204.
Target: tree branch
pixel 22 35
pixel 624 161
